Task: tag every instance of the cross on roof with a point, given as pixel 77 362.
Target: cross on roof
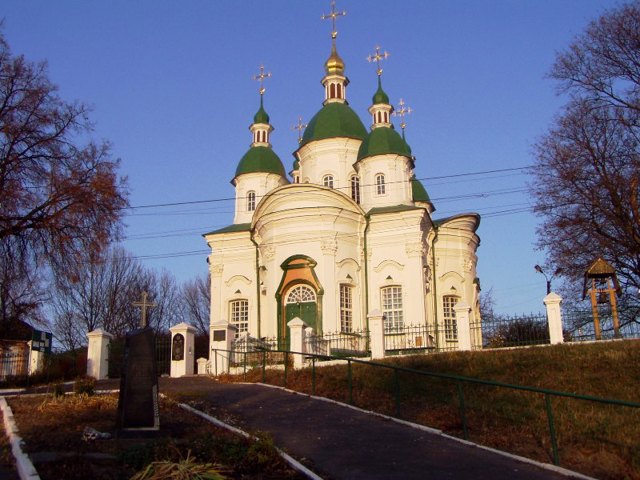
pixel 260 77
pixel 377 57
pixel 144 305
pixel 401 111
pixel 333 16
pixel 299 127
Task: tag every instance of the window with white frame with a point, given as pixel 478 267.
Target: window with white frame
pixel 327 181
pixel 392 309
pixel 251 201
pixel 346 308
pixel 380 185
pixel 450 322
pixel 240 315
pixel 355 188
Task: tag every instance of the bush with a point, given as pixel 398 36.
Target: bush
pixel 84 385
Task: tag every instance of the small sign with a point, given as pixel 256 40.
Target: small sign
pixel 219 335
pixel 41 341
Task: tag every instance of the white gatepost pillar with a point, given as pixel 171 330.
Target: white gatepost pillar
pixel 182 350
pixel 554 318
pixel 202 365
pixel 376 334
pixel 462 310
pixel 98 354
pixel 297 331
pixel 36 359
pixel 222 336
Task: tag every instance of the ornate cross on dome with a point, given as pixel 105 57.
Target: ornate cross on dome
pixel 299 127
pixel 260 77
pixel 333 16
pixel 401 111
pixel 377 57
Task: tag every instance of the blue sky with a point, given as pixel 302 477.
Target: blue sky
pixel 170 85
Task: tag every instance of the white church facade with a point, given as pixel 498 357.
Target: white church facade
pixel 348 233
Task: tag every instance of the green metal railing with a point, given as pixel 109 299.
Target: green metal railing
pixel 458 380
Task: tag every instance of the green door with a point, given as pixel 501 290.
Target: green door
pixel 300 302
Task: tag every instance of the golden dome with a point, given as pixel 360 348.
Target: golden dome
pixel 334 64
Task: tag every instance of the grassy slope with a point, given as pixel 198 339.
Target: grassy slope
pixel 595 439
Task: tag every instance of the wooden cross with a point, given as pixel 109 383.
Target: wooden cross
pixel 260 77
pixel 333 16
pixel 143 304
pixel 401 111
pixel 299 127
pixel 377 57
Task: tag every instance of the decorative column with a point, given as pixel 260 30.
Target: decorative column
pixel 297 331
pixel 376 334
pixel 554 318
pixel 462 310
pixel 222 336
pixel 182 350
pixel 98 354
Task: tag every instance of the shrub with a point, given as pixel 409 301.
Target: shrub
pixel 84 385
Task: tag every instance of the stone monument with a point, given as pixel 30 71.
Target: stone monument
pixel 138 402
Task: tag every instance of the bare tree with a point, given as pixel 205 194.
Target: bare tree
pixel 587 174
pixel 196 298
pixel 58 196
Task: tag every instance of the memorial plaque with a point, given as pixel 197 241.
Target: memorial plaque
pixel 219 335
pixel 138 401
pixel 177 348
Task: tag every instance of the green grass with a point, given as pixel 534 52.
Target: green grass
pixel 595 439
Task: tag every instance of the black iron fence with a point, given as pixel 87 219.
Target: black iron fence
pixel 14 364
pixel 579 325
pixel 163 355
pixel 498 331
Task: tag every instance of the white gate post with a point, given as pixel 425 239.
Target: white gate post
pixel 182 349
pixel 98 354
pixel 222 336
pixel 554 318
pixel 462 310
pixel 296 327
pixel 376 333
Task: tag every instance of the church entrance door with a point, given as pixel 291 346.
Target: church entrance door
pixel 301 302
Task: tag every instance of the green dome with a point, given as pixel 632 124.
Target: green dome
pixel 383 140
pixel 262 160
pixel 419 192
pixel 261 115
pixel 334 120
pixel 380 96
pixel 296 164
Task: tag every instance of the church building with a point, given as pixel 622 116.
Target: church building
pixel 349 232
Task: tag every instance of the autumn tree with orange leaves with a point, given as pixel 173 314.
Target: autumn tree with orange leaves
pixel 60 194
pixel 587 173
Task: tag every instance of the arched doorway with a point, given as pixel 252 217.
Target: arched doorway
pixel 301 301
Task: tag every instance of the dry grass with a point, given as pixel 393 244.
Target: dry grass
pixel 595 439
pixel 50 424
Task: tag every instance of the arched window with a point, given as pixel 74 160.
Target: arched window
pixel 251 201
pixel 239 314
pixel 346 308
pixel 380 185
pixel 327 181
pixel 296 179
pixel 392 308
pixel 301 294
pixel 355 188
pixel 332 91
pixel 450 322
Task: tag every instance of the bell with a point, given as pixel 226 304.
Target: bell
pixel 603 298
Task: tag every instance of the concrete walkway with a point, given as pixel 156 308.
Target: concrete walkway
pixel 338 442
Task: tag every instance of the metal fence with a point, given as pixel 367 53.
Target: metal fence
pixel 510 331
pixel 405 339
pixel 579 324
pixel 14 364
pixel 163 355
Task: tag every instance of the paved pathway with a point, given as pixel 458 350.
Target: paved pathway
pixel 338 442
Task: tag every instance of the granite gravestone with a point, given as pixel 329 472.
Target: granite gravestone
pixel 138 400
